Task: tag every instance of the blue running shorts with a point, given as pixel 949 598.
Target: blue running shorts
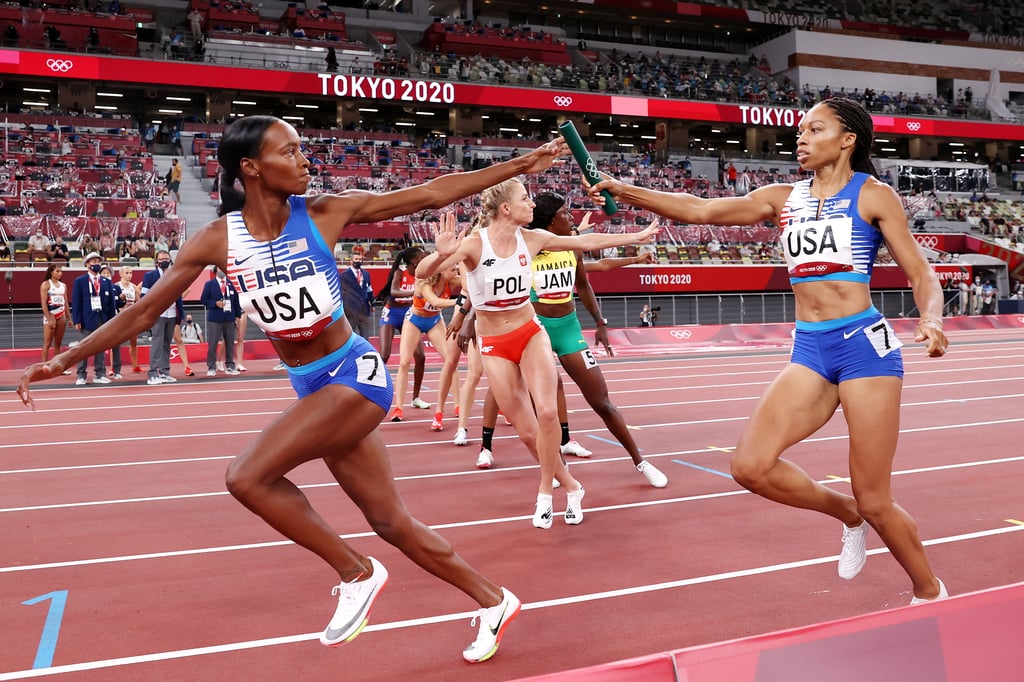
pixel 424 324
pixel 394 316
pixel 356 364
pixel 852 347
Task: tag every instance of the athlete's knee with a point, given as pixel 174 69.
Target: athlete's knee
pixel 393 525
pixel 748 470
pixel 605 408
pixel 241 481
pixel 873 507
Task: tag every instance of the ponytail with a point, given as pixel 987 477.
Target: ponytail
pixel 243 138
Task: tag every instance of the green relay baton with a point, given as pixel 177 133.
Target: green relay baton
pixel 586 162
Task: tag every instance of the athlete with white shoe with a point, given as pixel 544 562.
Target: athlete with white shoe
pixel 844 353
pixel 516 354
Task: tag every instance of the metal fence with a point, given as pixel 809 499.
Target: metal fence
pixel 22 327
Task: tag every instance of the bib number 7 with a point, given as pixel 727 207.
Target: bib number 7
pixel 370 370
pixel 882 337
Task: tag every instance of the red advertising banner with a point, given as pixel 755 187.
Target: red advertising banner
pixel 444 93
pixel 633 280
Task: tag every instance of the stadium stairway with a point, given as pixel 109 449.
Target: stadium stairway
pixel 195 205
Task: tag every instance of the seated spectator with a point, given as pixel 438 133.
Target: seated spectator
pixel 141 249
pixel 107 241
pixel 100 212
pixel 38 246
pixel 59 251
pixel 87 244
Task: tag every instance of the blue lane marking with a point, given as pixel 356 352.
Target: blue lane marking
pixel 607 440
pixel 51 630
pixel 697 466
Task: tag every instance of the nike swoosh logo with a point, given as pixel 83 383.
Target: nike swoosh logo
pixel 336 369
pixel 239 261
pixel 494 630
pixel 847 335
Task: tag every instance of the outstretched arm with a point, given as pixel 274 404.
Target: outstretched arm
pixel 197 253
pixel 334 211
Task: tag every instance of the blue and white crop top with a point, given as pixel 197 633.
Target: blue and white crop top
pixel 500 283
pixel 289 287
pixel 834 243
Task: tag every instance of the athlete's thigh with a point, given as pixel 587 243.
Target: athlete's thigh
pixel 871 406
pixel 505 381
pixel 538 368
pixel 583 369
pixel 328 423
pixel 408 341
pixel 364 473
pixel 796 404
pixel 436 336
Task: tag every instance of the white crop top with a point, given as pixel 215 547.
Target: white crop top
pixel 500 283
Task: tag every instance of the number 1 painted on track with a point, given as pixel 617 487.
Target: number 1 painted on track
pixel 51 629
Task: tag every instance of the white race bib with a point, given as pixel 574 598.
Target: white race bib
pixel 818 247
pixel 292 309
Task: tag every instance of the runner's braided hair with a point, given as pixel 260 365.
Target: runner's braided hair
pixel 242 139
pixel 857 120
pixel 404 258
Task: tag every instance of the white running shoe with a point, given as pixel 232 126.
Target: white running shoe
pixel 155 380
pixel 420 404
pixel 575 449
pixel 211 372
pixel 354 603
pixel 943 594
pixel 233 372
pixel 574 506
pixel 240 367
pixel 461 437
pixel 854 554
pixel 100 379
pixel 168 379
pixel 652 474
pixel 544 512
pixel 80 381
pixel 493 622
pixel 116 376
pixel 221 367
pixel 485 460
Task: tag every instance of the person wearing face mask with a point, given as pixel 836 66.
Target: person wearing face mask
pixel 92 304
pixel 222 307
pixel 163 329
pixel 357 295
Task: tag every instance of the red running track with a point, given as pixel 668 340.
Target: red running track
pixel 115 495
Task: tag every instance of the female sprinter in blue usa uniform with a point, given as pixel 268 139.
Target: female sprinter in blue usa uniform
pixel 845 353
pixel 276 245
pixel 516 353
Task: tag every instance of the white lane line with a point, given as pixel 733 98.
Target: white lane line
pixel 443 618
pixel 443 526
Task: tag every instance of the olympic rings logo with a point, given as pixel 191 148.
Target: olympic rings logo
pixel 59 65
pixel 562 101
pixel 681 333
pixel 913 125
pixel 929 242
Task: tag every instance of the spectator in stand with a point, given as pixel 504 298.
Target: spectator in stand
pixel 174 184
pixel 222 307
pixel 195 22
pixel 87 244
pixel 331 59
pixel 92 305
pixel 38 246
pixel 101 212
pixel 5 251
pixel 108 245
pixel 56 305
pixel 59 251
pixel 127 293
